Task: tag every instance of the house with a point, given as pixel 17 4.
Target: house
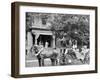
pixel 38 30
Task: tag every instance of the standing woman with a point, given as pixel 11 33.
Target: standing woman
pixel 75 44
pixel 70 43
pixel 46 44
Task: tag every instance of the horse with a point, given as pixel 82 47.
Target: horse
pixel 52 54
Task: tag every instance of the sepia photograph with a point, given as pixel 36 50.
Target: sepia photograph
pixel 54 39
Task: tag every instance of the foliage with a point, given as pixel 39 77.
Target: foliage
pixel 64 26
pixel 71 26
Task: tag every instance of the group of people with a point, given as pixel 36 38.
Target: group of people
pixel 46 44
pixel 73 43
pixel 80 53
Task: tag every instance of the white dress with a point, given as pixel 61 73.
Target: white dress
pixel 46 44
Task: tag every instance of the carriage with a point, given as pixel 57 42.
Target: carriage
pixel 62 56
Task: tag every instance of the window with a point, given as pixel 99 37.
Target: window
pixel 44 21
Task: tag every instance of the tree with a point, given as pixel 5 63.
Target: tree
pixel 74 26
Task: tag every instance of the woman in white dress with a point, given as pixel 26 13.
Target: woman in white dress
pixel 46 44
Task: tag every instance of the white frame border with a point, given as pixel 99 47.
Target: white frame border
pixel 72 68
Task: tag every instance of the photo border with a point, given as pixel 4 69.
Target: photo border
pixel 15 32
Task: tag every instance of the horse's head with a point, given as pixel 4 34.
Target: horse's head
pixel 35 49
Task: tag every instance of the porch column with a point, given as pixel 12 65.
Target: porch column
pixel 29 42
pixel 36 37
pixel 54 43
pixel 35 40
